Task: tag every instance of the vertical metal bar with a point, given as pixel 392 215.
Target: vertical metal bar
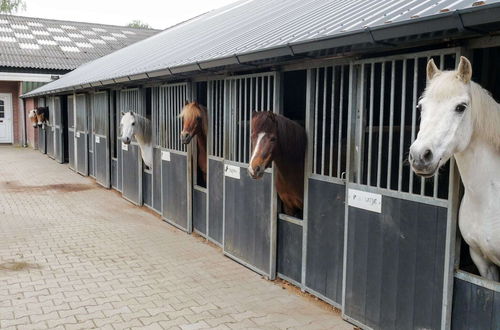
pixel 269 93
pixel 341 110
pixel 315 146
pixel 391 123
pixel 246 116
pixel 370 125
pixel 402 127
pixel 332 122
pixel 241 121
pixel 323 130
pixel 436 176
pixel 381 124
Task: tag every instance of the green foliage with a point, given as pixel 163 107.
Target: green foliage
pixel 12 6
pixel 138 24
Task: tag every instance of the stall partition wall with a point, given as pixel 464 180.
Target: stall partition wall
pixel 131 161
pixel 50 128
pixel 101 138
pixel 82 134
pixel 249 231
pixel 174 156
pixel 71 132
pixel 399 230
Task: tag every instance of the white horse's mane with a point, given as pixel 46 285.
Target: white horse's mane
pixel 485 112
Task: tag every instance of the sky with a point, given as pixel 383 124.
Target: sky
pixel 157 13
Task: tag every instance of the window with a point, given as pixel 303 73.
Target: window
pixel 2 109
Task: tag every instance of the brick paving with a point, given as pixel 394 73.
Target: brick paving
pixel 76 256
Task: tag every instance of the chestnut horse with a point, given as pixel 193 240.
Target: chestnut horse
pixel 195 123
pixel 39 116
pixel 279 139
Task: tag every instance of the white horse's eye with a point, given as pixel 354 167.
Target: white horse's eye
pixel 133 124
pixel 461 107
pixel 419 107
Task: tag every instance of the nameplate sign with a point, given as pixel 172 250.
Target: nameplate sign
pixel 97 139
pixel 165 155
pixel 365 200
pixel 232 171
pixel 124 146
pixel 78 134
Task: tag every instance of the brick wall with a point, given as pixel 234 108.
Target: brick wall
pixel 12 87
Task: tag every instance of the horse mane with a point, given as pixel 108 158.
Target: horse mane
pixel 143 127
pixel 485 114
pixel 192 110
pixel 292 137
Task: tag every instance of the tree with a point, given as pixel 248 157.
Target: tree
pixel 138 24
pixel 10 6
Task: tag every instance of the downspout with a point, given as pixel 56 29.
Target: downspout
pixel 24 142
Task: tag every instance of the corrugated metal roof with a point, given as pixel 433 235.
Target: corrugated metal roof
pixel 251 26
pixel 27 42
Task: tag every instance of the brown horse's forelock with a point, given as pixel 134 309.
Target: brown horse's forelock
pixel 193 110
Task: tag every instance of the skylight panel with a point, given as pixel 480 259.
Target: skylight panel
pixel 19 26
pixel 5 29
pixel 59 38
pixel 7 39
pixel 24 36
pixel 46 42
pixel 84 45
pixel 35 24
pixel 40 33
pixel 68 27
pixel 97 41
pixel 99 30
pixel 108 38
pixel 119 35
pixel 55 30
pixel 29 46
pixel 70 49
pixel 3 21
pixel 76 35
pixel 87 32
pixel 128 32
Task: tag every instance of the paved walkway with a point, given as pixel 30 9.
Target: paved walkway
pixel 77 256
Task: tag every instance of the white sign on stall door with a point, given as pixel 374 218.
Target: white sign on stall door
pixel 365 200
pixel 6 118
pixel 165 155
pixel 232 171
pixel 97 139
pixel 124 146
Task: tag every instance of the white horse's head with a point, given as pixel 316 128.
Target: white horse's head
pixel 33 118
pixel 127 125
pixel 446 124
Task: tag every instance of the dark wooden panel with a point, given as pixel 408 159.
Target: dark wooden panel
pixel 215 199
pixel 147 192
pixel 101 163
pixel 157 179
pixel 325 238
pixel 132 174
pixel 395 265
pixel 474 307
pixel 289 261
pixel 200 211
pixel 247 222
pixel 174 181
pixel 71 149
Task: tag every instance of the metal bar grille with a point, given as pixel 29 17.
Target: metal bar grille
pixel 81 105
pixel 216 117
pixel 100 106
pixel 329 124
pixel 132 100
pixel 167 103
pixel 71 112
pixel 390 123
pixel 246 94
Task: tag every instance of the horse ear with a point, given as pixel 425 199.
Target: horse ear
pixel 123 113
pixel 464 72
pixel 432 69
pixel 186 103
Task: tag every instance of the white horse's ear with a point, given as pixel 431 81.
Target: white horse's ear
pixel 123 113
pixel 464 71
pixel 432 69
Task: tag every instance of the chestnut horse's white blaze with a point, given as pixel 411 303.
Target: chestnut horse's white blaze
pixel 460 118
pixel 256 151
pixel 136 125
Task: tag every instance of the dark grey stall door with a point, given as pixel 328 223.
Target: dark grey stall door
pixel 101 170
pixel 132 173
pixel 174 188
pixel 395 265
pixel 247 223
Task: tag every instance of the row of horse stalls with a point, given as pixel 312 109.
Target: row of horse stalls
pixel 370 238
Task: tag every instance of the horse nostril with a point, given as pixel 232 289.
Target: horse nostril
pixel 427 156
pixel 257 168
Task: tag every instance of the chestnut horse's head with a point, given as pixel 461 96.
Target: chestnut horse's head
pixel 195 121
pixel 33 118
pixel 264 138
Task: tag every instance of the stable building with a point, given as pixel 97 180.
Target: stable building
pixel 351 74
pixel 34 51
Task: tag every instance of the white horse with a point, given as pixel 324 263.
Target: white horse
pixel 460 118
pixel 136 125
pixel 33 118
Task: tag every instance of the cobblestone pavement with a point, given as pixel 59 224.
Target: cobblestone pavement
pixel 77 256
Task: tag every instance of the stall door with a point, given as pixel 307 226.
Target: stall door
pixel 396 222
pixel 100 126
pixel 326 121
pixel 6 118
pixel 42 133
pixel 175 172
pixel 58 104
pixel 132 100
pixel 81 134
pixel 50 129
pixel 249 205
pixel 71 132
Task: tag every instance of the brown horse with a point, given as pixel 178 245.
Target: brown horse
pixel 42 115
pixel 195 123
pixel 279 139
